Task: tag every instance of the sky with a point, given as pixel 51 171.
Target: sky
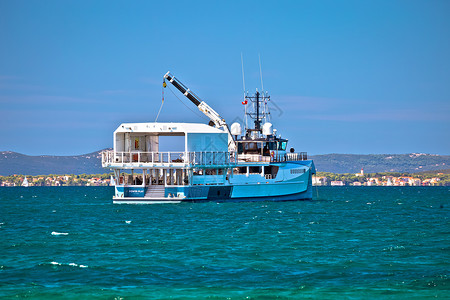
pixel 361 77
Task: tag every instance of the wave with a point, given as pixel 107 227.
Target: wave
pixel 59 233
pixel 69 264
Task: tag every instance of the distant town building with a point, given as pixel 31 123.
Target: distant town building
pixel 389 180
pixel 372 181
pixel 337 183
pixel 319 180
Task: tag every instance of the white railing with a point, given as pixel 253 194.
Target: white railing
pixel 194 158
pixel 296 156
pixel 209 158
pixel 274 158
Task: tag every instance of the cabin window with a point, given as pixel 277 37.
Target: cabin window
pixel 271 145
pixel 255 170
pixel 266 149
pixel 240 148
pixel 219 171
pixel 249 146
pixel 198 171
pixel 240 170
pixel 271 171
pixel 253 148
pixel 210 172
pixel 282 145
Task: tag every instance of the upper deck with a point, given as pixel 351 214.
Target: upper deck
pixel 137 145
pixel 113 159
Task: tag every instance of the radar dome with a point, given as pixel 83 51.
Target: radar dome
pixel 267 128
pixel 236 129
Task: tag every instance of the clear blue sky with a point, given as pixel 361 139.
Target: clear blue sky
pixel 348 76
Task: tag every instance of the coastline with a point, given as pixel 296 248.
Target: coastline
pixel 437 178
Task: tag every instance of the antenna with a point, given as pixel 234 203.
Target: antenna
pixel 243 77
pixel 260 72
pixel 243 83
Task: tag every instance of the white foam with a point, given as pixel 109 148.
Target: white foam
pixel 59 233
pixel 76 265
pixel 70 264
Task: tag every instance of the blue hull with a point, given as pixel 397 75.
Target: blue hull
pixel 294 182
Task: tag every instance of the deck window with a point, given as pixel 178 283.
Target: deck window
pixel 255 170
pixel 282 145
pixel 240 148
pixel 240 170
pixel 271 171
pixel 271 145
pixel 252 148
pixel 198 172
pixel 210 172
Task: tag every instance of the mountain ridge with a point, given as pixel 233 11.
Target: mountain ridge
pixel 17 163
pixel 90 163
pixel 373 163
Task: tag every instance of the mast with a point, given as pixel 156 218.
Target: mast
pixel 257 120
pixel 256 112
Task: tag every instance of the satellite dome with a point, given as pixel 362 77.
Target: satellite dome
pixel 267 128
pixel 236 129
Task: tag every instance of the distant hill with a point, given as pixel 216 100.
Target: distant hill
pixel 372 163
pixel 16 163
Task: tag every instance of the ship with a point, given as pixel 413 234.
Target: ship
pixel 247 161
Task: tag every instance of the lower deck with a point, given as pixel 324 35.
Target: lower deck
pixel 286 181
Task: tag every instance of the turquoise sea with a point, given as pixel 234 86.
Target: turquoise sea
pixel 349 243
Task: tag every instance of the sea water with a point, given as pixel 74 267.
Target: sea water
pixel 349 242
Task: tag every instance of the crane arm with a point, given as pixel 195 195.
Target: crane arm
pixel 202 106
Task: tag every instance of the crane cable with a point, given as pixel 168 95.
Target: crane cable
pixel 201 116
pixel 162 102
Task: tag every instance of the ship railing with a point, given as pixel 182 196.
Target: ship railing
pixel 293 156
pixel 209 158
pixel 273 158
pixel 195 158
pixel 107 156
pixel 253 158
pixel 192 158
